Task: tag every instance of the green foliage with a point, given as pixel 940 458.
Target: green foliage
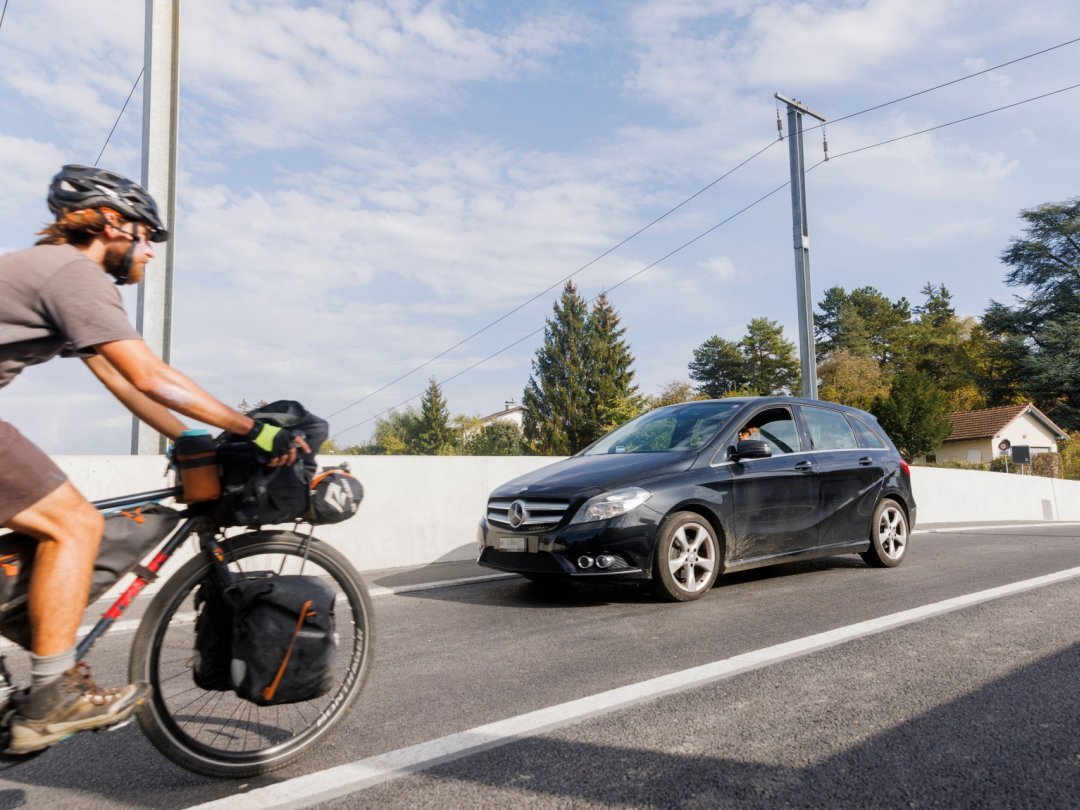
pixel 672 393
pixel 395 434
pixel 718 367
pixel 500 438
pixel 1038 336
pixel 851 379
pixel 954 464
pixel 614 398
pixel 915 414
pixel 434 436
pixel 864 322
pixel 1047 465
pixel 1070 456
pixel 582 381
pixel 763 362
pixel 772 366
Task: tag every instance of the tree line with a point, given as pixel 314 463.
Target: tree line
pixel 910 365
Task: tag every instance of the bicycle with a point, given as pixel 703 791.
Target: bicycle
pixel 217 733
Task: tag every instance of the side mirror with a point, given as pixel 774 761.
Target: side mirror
pixel 752 448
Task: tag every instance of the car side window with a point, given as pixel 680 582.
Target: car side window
pixel 776 427
pixel 867 437
pixel 829 430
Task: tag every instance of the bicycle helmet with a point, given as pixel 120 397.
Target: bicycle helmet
pixel 77 187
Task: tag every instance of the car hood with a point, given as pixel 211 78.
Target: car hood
pixel 590 475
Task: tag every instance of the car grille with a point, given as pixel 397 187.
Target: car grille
pixel 542 563
pixel 538 515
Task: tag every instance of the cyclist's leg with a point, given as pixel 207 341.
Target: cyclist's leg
pixel 68 529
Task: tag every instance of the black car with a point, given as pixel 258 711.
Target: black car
pixel 684 492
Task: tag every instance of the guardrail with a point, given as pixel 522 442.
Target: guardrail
pixel 423 509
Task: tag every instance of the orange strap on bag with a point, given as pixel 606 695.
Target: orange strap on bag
pixel 305 613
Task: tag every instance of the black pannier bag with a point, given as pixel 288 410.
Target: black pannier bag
pixel 253 494
pixel 129 536
pixel 335 495
pixel 211 666
pixel 283 643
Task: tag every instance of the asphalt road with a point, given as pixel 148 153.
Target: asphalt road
pixel 978 707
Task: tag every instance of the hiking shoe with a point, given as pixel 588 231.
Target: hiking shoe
pixel 71 703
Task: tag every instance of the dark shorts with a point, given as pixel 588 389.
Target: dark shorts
pixel 26 474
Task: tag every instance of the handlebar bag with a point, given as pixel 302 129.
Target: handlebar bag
pixel 253 494
pixel 283 643
pixel 129 535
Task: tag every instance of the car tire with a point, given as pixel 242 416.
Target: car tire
pixel 888 535
pixel 687 558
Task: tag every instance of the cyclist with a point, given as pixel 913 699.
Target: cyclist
pixel 56 299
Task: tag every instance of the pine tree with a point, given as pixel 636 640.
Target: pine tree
pixel 915 414
pixel 557 398
pixel 718 367
pixel 614 397
pixel 770 361
pixel 434 437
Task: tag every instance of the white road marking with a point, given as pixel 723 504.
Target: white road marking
pixel 322 786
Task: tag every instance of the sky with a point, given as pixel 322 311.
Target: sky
pixel 364 185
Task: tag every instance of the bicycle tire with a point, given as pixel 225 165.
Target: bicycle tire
pixel 219 733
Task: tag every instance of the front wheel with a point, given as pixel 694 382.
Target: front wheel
pixel 217 733
pixel 687 558
pixel 888 535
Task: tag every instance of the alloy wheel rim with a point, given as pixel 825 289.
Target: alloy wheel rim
pixel 693 557
pixel 892 533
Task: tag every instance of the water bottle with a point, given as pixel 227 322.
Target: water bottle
pixel 196 457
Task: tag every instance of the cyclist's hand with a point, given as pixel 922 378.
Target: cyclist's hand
pixel 279 445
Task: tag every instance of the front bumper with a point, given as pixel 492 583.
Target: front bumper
pixel 629 540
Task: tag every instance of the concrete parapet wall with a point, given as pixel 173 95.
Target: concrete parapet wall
pixel 424 509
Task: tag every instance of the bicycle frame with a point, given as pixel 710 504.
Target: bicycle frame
pixel 144 575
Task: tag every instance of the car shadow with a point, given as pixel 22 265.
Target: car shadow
pixel 523 593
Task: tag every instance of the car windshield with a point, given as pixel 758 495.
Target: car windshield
pixel 672 429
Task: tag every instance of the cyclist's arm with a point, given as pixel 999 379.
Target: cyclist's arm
pixel 164 385
pixel 154 414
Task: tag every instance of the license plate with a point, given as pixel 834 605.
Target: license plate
pixel 511 543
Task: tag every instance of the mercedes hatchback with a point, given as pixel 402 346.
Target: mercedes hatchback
pixel 684 493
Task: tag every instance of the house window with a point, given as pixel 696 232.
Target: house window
pixel 975 456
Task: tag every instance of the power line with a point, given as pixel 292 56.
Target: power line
pixel 563 280
pixel 705 233
pixel 951 123
pixel 626 280
pixel 121 115
pixel 693 196
pixel 3 14
pixel 946 84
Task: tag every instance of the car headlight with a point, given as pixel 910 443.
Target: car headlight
pixel 611 504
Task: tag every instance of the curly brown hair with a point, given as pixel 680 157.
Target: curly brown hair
pixel 77 228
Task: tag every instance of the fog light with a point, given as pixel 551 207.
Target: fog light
pixel 584 561
pixel 604 561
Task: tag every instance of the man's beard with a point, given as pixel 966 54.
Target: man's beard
pixel 114 265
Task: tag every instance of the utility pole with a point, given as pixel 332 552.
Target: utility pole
pixel 807 349
pixel 161 105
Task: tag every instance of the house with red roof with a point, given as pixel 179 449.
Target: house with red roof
pixel 983 435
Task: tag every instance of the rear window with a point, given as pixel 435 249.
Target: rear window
pixel 867 437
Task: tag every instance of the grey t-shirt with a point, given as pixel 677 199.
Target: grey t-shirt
pixel 54 300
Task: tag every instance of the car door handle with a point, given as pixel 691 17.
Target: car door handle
pixel 866 461
pixel 804 466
